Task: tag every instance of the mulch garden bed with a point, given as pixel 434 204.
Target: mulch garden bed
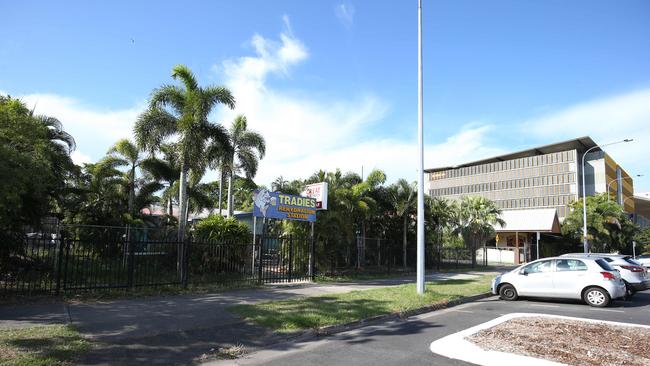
pixel 571 342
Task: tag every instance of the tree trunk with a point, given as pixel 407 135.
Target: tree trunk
pixel 131 190
pixel 473 249
pixel 170 207
pixel 404 241
pixel 182 190
pixel 230 203
pixel 221 179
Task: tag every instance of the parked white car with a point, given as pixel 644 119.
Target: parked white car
pixel 590 279
pixel 632 272
pixel 644 260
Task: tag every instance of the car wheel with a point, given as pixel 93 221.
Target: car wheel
pixel 629 291
pixel 596 296
pixel 508 292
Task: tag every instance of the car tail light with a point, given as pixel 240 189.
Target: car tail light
pixel 633 268
pixel 608 276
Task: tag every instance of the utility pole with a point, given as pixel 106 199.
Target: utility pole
pixel 420 219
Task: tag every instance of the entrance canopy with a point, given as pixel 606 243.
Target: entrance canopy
pixel 542 220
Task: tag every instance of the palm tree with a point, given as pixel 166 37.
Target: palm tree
pixel 56 132
pixel 183 111
pixel 279 184
pixel 248 147
pixel 124 152
pixel 167 170
pixel 404 199
pixel 442 214
pixel 477 216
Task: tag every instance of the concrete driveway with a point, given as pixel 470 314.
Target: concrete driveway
pixel 407 342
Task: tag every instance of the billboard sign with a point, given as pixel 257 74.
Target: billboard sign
pixel 319 192
pixel 277 205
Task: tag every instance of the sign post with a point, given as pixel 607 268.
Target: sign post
pixel 254 257
pixel 277 205
pixel 538 245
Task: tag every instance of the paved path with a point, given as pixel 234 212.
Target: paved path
pixel 174 329
pixel 406 342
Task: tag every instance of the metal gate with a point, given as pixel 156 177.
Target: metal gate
pixel 283 259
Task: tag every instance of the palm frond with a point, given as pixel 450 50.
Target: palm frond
pixel 186 76
pixel 213 95
pixel 153 126
pixel 253 140
pixel 168 96
pixel 127 149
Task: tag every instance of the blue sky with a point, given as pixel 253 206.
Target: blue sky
pixel 334 84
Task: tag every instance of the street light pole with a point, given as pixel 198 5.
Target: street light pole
pixel 585 242
pixel 420 220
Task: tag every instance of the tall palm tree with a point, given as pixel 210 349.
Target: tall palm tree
pixel 183 111
pixel 477 216
pixel 124 152
pixel 248 147
pixel 404 199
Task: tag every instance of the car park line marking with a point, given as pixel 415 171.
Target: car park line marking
pixel 610 310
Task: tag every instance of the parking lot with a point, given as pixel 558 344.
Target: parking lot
pixel 407 341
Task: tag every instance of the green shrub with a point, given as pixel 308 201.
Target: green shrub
pixel 219 228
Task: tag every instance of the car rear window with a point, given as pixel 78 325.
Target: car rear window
pixel 631 261
pixel 604 265
pixel 608 259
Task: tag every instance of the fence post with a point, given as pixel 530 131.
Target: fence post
pixel 186 260
pixel 66 246
pixel 59 263
pixel 388 251
pixel 290 257
pixel 261 258
pixel 312 255
pixel 131 264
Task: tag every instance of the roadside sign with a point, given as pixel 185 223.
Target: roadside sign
pixel 319 192
pixel 277 205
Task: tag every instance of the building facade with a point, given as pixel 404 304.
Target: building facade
pixel 543 177
pixel 534 188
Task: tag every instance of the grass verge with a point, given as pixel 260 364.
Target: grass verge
pixel 49 345
pixel 313 312
pixel 370 275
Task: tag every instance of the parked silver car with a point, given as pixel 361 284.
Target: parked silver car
pixel 590 279
pixel 633 273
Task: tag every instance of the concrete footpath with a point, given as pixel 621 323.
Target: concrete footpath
pixel 177 329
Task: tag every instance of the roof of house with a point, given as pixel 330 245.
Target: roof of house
pixel 580 144
pixel 544 220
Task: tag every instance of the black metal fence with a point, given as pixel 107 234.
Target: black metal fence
pixel 385 256
pixel 84 258
pixel 89 258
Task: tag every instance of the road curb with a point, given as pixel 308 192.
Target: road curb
pixel 334 329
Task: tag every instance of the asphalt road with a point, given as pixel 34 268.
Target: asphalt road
pixel 406 342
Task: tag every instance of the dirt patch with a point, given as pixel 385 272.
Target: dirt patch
pixel 572 342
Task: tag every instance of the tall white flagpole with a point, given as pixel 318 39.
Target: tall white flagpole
pixel 420 229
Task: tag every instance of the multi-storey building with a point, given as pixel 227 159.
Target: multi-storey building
pixel 545 177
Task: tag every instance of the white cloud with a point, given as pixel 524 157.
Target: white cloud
pixel 80 158
pixel 305 133
pixel 94 129
pixel 345 14
pixel 605 120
